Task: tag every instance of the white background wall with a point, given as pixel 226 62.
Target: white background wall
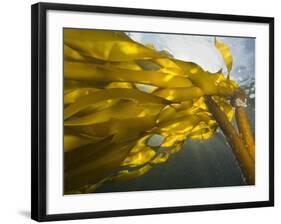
pixel 15 110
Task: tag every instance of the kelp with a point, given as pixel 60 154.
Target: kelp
pixel 120 94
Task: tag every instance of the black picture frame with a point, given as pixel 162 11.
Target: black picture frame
pixel 39 122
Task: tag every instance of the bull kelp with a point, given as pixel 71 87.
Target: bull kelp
pixel 128 107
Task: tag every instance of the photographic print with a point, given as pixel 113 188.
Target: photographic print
pixel 157 111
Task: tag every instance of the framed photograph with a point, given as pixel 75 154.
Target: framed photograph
pixel 140 111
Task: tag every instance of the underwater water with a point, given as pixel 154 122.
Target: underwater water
pixel 208 163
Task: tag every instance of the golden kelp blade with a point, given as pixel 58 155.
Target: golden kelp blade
pixel 107 45
pixel 72 55
pixel 75 141
pixel 122 130
pixel 226 54
pixel 139 154
pixel 127 175
pixel 104 73
pixel 209 83
pixel 111 94
pixel 121 110
pixel 118 94
pixel 73 95
pixel 179 94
